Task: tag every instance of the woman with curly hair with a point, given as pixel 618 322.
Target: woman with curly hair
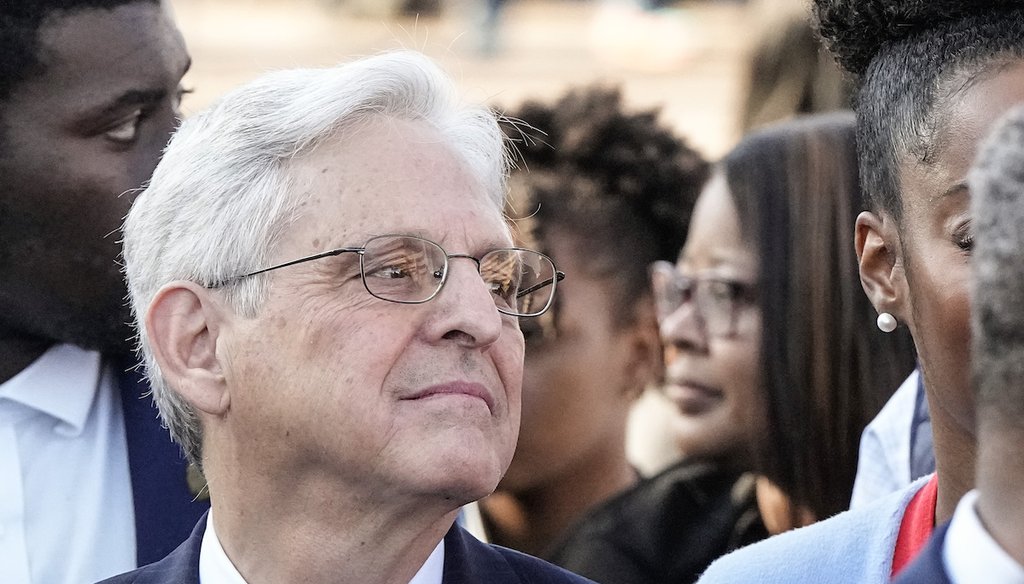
pixel 606 192
pixel 934 77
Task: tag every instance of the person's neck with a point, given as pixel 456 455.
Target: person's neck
pixel 955 455
pixel 1001 488
pixel 18 351
pixel 315 530
pixel 535 519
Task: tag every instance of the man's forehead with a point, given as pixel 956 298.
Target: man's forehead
pixel 94 53
pixel 321 230
pixel 362 185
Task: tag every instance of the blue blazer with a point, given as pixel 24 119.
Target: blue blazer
pixel 466 561
pixel 927 567
pixel 165 507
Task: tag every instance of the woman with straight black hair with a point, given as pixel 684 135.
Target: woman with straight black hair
pixel 766 321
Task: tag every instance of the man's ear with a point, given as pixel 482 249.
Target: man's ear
pixel 182 323
pixel 877 241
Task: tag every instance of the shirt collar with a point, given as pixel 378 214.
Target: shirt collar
pixel 971 555
pixel 216 568
pixel 62 383
pixel 214 565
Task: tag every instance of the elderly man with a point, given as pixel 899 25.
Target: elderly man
pixel 327 298
pixel 90 485
pixel 984 542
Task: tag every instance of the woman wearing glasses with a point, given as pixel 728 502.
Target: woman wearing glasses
pixel 769 337
pixel 604 192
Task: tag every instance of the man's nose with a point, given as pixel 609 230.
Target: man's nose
pixel 466 308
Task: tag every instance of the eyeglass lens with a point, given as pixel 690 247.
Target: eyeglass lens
pixel 410 269
pixel 715 302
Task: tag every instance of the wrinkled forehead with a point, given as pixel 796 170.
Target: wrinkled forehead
pixel 394 176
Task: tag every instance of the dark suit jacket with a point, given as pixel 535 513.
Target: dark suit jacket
pixel 466 561
pixel 165 508
pixel 927 567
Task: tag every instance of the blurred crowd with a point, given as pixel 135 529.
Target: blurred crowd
pixel 798 362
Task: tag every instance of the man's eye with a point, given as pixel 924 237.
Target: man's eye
pixel 126 130
pixel 179 96
pixel 502 288
pixel 965 241
pixel 391 272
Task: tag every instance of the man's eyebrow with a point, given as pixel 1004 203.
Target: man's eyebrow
pixel 132 98
pixel 129 99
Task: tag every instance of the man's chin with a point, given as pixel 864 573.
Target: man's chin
pixel 469 484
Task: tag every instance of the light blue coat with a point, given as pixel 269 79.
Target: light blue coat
pixel 853 547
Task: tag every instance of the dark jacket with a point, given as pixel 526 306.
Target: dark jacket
pixel 927 567
pixel 668 528
pixel 466 561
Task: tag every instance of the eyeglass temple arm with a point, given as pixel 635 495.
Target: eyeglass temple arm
pixel 328 253
pixel 559 276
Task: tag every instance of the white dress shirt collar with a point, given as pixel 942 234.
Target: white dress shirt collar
pixel 214 565
pixel 70 376
pixel 216 568
pixel 66 511
pixel 971 555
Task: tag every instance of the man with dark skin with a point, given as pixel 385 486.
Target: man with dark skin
pixel 89 94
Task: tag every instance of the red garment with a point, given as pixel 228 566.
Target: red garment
pixel 917 525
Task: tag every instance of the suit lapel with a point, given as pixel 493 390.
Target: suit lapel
pixel 468 561
pixel 181 566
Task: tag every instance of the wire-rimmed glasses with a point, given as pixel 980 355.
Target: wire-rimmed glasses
pixel 717 301
pixel 412 270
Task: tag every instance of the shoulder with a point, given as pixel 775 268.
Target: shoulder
pixel 691 487
pixel 854 546
pixel 667 528
pixel 163 572
pixel 468 560
pixel 532 569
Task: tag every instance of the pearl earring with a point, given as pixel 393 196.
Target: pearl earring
pixel 886 322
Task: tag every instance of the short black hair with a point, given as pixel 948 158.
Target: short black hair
pixel 906 53
pixel 997 181
pixel 621 184
pixel 20 21
pixel 826 370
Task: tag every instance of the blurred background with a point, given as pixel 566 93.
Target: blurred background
pixel 685 57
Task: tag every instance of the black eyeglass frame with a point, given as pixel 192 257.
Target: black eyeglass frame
pixel 558 275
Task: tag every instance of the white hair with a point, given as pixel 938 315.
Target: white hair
pixel 220 199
